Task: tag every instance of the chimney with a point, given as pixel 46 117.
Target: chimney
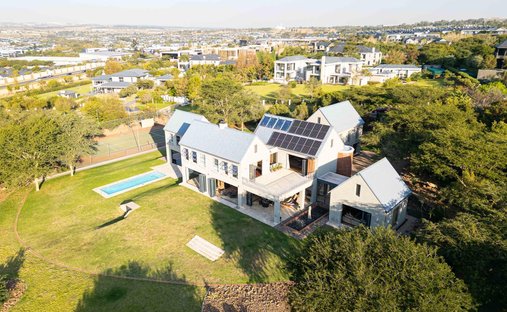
pixel 345 159
pixel 222 124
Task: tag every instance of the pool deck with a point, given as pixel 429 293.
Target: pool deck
pixel 105 195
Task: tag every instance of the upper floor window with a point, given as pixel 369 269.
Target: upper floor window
pixel 215 165
pixel 318 120
pixel 194 157
pixel 202 160
pixel 358 190
pixel 225 167
pixel 255 148
pixel 178 138
pixel 185 153
pixel 332 142
pixel 235 171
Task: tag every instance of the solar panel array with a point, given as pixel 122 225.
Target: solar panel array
pixel 276 123
pixel 294 143
pixel 309 129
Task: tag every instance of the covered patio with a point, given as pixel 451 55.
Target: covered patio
pixel 275 197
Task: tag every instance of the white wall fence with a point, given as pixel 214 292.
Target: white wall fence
pixel 49 73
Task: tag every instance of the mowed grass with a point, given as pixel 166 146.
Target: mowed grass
pixel 51 288
pixel 82 90
pixel 268 91
pixel 68 222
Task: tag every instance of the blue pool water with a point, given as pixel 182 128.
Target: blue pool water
pixel 132 182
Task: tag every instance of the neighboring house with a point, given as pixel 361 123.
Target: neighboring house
pixel 340 70
pixel 116 82
pixel 401 71
pixel 68 94
pixel 320 46
pixel 501 55
pixel 344 119
pixel 369 56
pixel 291 68
pixel 204 59
pixel 375 196
pixel 160 80
pixel 281 168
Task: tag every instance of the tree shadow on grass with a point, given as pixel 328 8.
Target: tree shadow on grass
pixel 117 294
pixel 254 245
pixel 13 265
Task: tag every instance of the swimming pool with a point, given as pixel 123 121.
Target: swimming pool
pixel 128 184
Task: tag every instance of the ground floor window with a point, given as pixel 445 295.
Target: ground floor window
pixel 353 216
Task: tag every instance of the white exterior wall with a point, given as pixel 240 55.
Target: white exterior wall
pixel 328 155
pixel 126 79
pixel 284 75
pixel 345 193
pixel 349 70
pixel 349 137
pixel 371 58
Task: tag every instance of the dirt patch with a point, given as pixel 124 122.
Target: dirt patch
pixel 252 297
pixel 16 290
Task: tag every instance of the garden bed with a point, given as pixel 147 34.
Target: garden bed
pixel 301 221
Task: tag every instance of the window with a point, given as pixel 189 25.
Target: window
pixel 255 148
pixel 235 171
pixel 318 120
pixel 358 190
pixel 172 138
pixel 178 138
pixel 194 157
pixel 216 165
pixel 202 160
pixel 332 141
pixel 225 167
pixel 185 153
pixel 273 158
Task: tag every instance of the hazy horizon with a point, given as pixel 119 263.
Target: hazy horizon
pixel 235 14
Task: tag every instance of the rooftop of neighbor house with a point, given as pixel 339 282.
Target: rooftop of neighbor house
pixel 226 143
pixel 131 73
pixel 339 48
pixel 502 45
pixel 293 58
pixel 205 57
pixel 115 84
pixel 181 120
pixel 101 77
pixel 385 183
pixel 165 77
pixel 398 66
pixel 342 116
pixel 334 59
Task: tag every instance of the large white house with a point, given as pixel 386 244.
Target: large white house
pixel 118 81
pixel 271 174
pixel 401 71
pixel 290 68
pixel 369 56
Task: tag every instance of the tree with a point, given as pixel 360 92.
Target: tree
pixel 144 84
pixel 476 248
pixel 313 87
pixel 284 94
pixel 373 270
pixel 395 57
pixel 128 91
pixel 30 149
pixel 248 107
pixel 63 104
pixel 218 99
pixel 77 138
pixel 194 87
pixel 301 111
pixel 112 66
pixel 4 292
pixel 104 108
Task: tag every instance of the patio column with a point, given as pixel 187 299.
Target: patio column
pixel 314 192
pixel 301 199
pixel 277 212
pixel 184 178
pixel 241 197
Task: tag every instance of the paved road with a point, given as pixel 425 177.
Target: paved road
pixel 47 78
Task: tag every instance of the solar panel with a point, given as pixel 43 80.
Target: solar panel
pixel 272 122
pixel 294 143
pixel 322 133
pixel 273 138
pixel 286 125
pixel 295 125
pixel 279 124
pixel 265 121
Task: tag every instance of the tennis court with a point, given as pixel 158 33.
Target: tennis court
pixel 137 138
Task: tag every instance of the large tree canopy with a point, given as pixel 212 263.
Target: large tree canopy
pixel 373 270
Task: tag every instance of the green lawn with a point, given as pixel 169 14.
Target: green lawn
pixel 68 223
pixel 268 91
pixel 82 90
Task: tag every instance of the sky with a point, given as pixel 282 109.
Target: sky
pixel 252 13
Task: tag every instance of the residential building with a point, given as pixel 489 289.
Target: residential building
pixel 345 120
pixel 401 71
pixel 116 82
pixel 369 56
pixel 160 80
pixel 501 55
pixel 68 94
pixel 341 70
pixel 276 171
pixel 290 68
pixel 204 59
pixel 375 196
pixel 320 46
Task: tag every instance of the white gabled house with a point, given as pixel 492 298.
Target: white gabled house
pixel 344 119
pixel 271 174
pixel 375 196
pixel 401 71
pixel 290 68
